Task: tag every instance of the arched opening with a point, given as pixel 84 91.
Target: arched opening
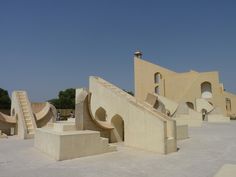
pixel 204 115
pixel 117 134
pixel 190 105
pixel 101 114
pixel 228 105
pixel 13 112
pixel 206 90
pixel 157 78
pixel 157 90
pixel 16 126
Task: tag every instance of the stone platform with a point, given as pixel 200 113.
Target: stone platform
pixel 63 142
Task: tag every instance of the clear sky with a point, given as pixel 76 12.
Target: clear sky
pixel 50 45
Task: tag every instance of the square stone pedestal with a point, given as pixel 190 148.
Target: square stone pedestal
pixel 63 142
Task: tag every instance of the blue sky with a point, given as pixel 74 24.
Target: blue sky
pixel 50 45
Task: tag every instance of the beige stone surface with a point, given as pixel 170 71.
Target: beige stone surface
pixel 85 120
pixel 181 113
pixel 44 113
pixel 134 123
pixel 218 118
pixel 203 104
pixel 6 123
pixel 63 142
pixel 64 126
pixel 21 109
pixel 202 155
pixel 182 87
pixel 182 132
pixel 170 105
pixel 25 116
pixel 228 170
pixel 2 135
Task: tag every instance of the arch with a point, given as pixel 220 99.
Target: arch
pixel 101 114
pixel 206 90
pixel 204 115
pixel 157 77
pixel 228 105
pixel 13 112
pixel 190 105
pixel 157 90
pixel 16 126
pixel 118 133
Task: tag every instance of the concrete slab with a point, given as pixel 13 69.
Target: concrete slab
pixel 202 155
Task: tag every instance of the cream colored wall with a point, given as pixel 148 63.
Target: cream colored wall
pixel 142 129
pixel 37 107
pixel 187 88
pixel 179 87
pixel 144 78
pixel 203 104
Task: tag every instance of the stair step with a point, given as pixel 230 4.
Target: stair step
pixel 28 121
pixel 31 128
pixel 23 103
pixel 27 117
pixel 30 131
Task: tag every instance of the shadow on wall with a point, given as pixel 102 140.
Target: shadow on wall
pixel 100 114
pixel 117 134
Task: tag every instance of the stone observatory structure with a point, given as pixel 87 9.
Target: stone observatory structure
pixel 107 111
pixel 120 117
pixel 191 88
pixel 180 112
pixel 26 116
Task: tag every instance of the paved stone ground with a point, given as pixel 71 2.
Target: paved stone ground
pixel 202 155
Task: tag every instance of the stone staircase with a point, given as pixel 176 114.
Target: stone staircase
pixel 27 113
